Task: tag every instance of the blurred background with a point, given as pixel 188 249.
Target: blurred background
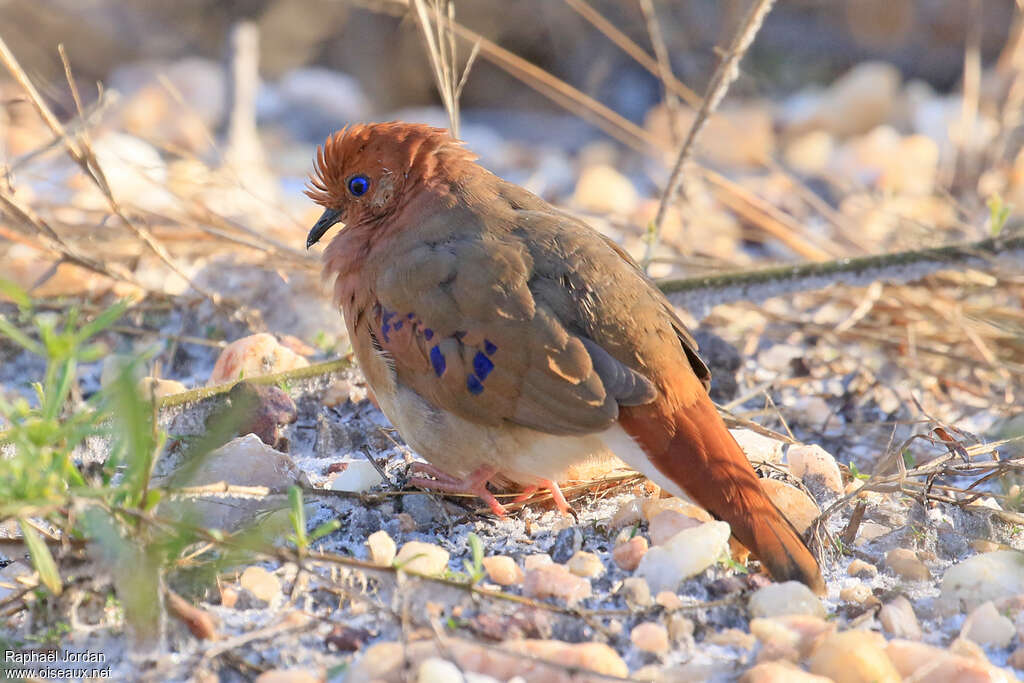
pixel 855 127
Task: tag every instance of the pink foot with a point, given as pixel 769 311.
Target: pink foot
pixel 475 483
pixel 556 495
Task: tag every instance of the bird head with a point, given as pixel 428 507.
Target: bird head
pixel 363 173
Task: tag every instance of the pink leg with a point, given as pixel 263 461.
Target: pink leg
pixel 556 495
pixel 475 483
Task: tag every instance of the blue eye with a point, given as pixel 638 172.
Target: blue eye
pixel 358 185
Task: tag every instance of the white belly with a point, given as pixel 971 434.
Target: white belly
pixel 523 456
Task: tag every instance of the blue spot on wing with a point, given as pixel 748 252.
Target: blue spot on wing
pixel 482 365
pixel 398 324
pixel 489 347
pixel 474 385
pixel 428 334
pixel 437 361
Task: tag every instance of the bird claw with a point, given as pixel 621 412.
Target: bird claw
pixel 475 483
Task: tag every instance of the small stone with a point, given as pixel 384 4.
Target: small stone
pixel 288 676
pixel 986 626
pixel 790 636
pixel 603 189
pixel 405 522
pixel 758 447
pixel 680 628
pixel 257 354
pixel 636 592
pixel 897 618
pixel 263 585
pixel 339 392
pixel 686 554
pixel 667 524
pixel 982 545
pixel 920 662
pixel 422 558
pixel 862 569
pixel 794 504
pixel 789 597
pixel 244 461
pixel 858 593
pixel 905 563
pixel 854 657
pixel 856 102
pixel 815 466
pixel 732 637
pixel 536 561
pixel 436 670
pixel 587 565
pixel 628 555
pixel 652 507
pixel 628 514
pixel 503 570
pixel 555 581
pixel 424 509
pixel 568 541
pixel 809 153
pixel 869 531
pixel 357 476
pixel 780 672
pixel 154 388
pixel 382 548
pixel 650 637
pixel 596 657
pixel 985 577
pixel 668 600
pixel 228 597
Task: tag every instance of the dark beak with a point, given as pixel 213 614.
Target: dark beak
pixel 328 218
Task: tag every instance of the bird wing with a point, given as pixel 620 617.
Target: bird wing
pixel 499 324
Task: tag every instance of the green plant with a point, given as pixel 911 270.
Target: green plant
pixel 297 515
pixel 475 566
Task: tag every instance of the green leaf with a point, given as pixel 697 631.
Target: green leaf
pixel 15 293
pixel 328 527
pixel 297 514
pixel 42 560
pixel 20 338
pixel 101 322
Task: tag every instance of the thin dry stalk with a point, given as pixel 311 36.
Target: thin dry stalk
pixel 627 45
pixel 664 66
pixel 437 25
pixel 725 74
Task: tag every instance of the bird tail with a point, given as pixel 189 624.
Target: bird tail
pixel 692 447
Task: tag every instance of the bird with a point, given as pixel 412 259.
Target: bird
pixel 507 340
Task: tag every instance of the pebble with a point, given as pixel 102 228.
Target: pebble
pixel 862 569
pixel 758 447
pixel 339 392
pixel 668 600
pixel 977 579
pixel 423 558
pixel 288 676
pixel 585 564
pixel 437 670
pixel 257 354
pixel 815 466
pixel 536 560
pixel 636 592
pixel 667 524
pixel 155 387
pixel 853 657
pixel 916 661
pixel 898 619
pixel 628 514
pixel 503 570
pixel 358 476
pixel 680 628
pixel 243 461
pixel 603 189
pixel 555 581
pixel 854 103
pixel 869 531
pixel 263 585
pixel 382 548
pixel 791 633
pixel 687 554
pixel 780 672
pixel 905 563
pixel 986 626
pixel 809 154
pixel 652 507
pixel 733 637
pixel 650 637
pixel 794 504
pixel 628 555
pixel 789 597
pixel 858 593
